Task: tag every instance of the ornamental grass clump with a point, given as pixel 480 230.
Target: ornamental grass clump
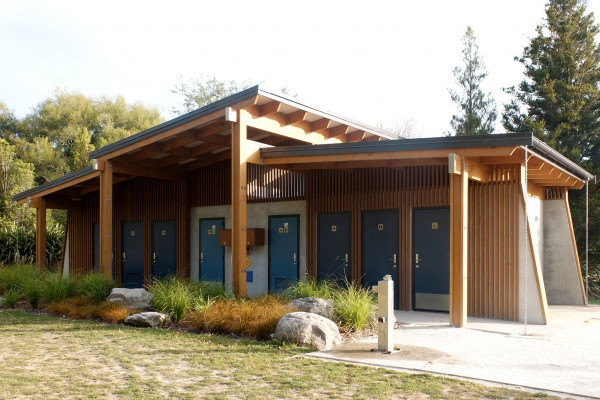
pixel 172 296
pixel 354 307
pixel 17 276
pixel 255 317
pixel 311 288
pixel 11 297
pixel 96 286
pixel 32 291
pixel 83 307
pixel 57 288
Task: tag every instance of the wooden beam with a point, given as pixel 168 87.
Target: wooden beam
pixel 459 203
pixel 238 202
pixel 147 172
pixel 356 136
pixel 40 235
pixel 106 220
pixel 207 160
pixel 477 172
pixel 277 124
pixel 270 108
pixel 322 124
pixel 297 116
pixel 56 188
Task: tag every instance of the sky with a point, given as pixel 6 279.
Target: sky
pixel 373 61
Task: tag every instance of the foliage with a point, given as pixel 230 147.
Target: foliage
pixel 9 123
pixel 96 286
pixel 354 307
pixel 477 111
pixel 171 296
pixel 594 283
pixel 311 288
pixel 17 244
pixel 11 297
pixel 32 291
pixel 255 317
pixel 559 99
pixel 205 90
pixel 48 160
pixel 82 308
pixel 17 276
pixel 57 288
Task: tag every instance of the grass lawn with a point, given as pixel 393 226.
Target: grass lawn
pixel 51 358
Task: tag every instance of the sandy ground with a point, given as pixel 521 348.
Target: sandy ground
pixel 562 357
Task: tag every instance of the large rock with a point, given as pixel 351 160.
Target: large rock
pixel 1 300
pixel 308 329
pixel 314 305
pixel 137 299
pixel 148 319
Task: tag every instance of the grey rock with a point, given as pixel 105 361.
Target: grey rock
pixel 314 305
pixel 149 319
pixel 308 329
pixel 137 299
pixel 1 300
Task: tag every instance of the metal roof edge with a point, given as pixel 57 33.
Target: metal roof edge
pixel 562 160
pixel 180 120
pixel 63 179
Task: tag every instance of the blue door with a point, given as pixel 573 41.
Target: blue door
pixel 212 255
pixel 333 247
pixel 163 249
pixel 283 252
pixel 133 254
pixel 380 248
pixel 96 248
pixel 431 258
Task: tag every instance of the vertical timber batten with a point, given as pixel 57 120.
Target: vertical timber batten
pixel 40 235
pixel 106 219
pixel 459 207
pixel 238 202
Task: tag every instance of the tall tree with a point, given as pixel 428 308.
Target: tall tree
pixel 559 100
pixel 477 111
pixel 205 90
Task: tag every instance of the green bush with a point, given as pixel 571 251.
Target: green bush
pixel 17 276
pixel 95 286
pixel 11 297
pixel 354 307
pixel 17 244
pixel 211 290
pixel 57 288
pixel 172 296
pixel 311 288
pixel 33 292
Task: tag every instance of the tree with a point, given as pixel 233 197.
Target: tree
pixel 8 123
pixel 205 90
pixel 400 129
pixel 15 176
pixel 477 111
pixel 559 100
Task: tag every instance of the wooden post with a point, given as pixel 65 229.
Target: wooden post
pixel 238 203
pixel 106 219
pixel 40 235
pixel 459 203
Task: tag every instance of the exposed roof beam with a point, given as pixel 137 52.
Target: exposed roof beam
pixel 269 108
pixel 146 172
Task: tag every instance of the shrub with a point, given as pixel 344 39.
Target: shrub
pixel 256 317
pixel 17 244
pixel 212 290
pixel 33 292
pixel 57 288
pixel 17 276
pixel 354 307
pixel 113 313
pixel 82 308
pixel 96 286
pixel 311 288
pixel 11 297
pixel 172 296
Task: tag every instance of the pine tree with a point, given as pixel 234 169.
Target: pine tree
pixel 477 111
pixel 559 101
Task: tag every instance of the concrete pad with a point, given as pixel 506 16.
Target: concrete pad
pixel 561 357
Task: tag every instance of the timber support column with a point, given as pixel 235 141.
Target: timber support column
pixel 238 199
pixel 40 234
pixel 459 203
pixel 106 217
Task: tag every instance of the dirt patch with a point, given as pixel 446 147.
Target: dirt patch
pixel 361 350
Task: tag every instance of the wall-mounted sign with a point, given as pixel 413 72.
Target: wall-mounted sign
pixel 434 225
pixel 380 227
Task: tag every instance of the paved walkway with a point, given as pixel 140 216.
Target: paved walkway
pixel 561 357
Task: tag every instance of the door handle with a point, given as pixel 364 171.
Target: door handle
pixel 201 256
pixel 417 259
pixel 346 259
pixel 153 256
pixel 394 260
pixel 293 258
pixel 124 257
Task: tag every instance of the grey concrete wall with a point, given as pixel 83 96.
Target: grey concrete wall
pixel 561 273
pixel 66 261
pixel 257 217
pixel 529 299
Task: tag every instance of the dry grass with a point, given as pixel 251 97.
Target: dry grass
pixel 253 317
pixel 83 307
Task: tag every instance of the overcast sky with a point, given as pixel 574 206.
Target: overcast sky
pixel 373 61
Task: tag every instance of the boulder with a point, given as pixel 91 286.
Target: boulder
pixel 314 305
pixel 308 329
pixel 149 319
pixel 1 300
pixel 137 299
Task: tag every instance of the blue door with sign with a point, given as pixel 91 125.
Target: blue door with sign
pixel 163 249
pixel 431 259
pixel 132 260
pixel 212 255
pixel 380 248
pixel 283 252
pixel 333 247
